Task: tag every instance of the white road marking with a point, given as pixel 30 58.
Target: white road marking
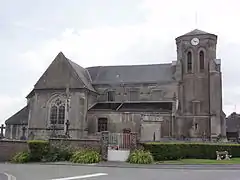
pixel 10 177
pixel 82 177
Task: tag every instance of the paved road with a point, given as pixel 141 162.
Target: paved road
pixel 3 176
pixel 63 172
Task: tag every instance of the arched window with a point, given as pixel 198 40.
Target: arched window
pixel 61 114
pixel 53 115
pixel 57 111
pixel 189 62
pixel 201 60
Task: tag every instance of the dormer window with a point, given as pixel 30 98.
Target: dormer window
pixel 189 62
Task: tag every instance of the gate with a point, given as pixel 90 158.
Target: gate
pixel 119 146
pixel 119 141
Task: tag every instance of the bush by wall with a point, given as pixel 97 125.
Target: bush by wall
pixel 140 157
pixel 174 151
pixel 86 156
pixel 38 149
pixel 59 152
pixel 21 157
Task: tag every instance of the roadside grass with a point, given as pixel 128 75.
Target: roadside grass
pixel 201 161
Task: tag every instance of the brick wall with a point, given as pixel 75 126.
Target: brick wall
pixel 9 148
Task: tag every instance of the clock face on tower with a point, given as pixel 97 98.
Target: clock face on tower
pixel 194 41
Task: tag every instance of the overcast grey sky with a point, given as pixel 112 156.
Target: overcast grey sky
pixel 108 32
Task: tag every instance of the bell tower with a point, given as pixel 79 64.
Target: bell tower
pixel 198 97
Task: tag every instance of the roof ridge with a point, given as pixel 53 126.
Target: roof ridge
pixel 86 84
pixel 69 62
pixel 129 65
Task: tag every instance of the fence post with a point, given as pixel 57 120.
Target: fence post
pixel 133 141
pixel 104 145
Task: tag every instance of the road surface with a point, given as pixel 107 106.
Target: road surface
pixel 3 176
pixel 67 172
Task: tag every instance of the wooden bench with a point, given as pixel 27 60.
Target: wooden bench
pixel 223 155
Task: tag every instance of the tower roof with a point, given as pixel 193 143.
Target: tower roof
pixel 196 32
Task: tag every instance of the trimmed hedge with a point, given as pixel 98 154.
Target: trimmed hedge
pixel 175 151
pixel 38 149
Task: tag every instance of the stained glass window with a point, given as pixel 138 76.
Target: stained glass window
pixel 57 111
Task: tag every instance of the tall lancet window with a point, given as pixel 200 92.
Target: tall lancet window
pixel 57 111
pixel 201 60
pixel 189 62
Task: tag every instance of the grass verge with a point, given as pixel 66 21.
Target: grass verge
pixel 201 161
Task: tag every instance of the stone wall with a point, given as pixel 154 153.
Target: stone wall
pixel 15 132
pixel 9 148
pixel 138 92
pixel 145 126
pixel 39 112
pixel 77 143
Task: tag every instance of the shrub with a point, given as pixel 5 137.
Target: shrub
pixel 86 156
pixel 38 149
pixel 59 153
pixel 21 157
pixel 174 151
pixel 140 157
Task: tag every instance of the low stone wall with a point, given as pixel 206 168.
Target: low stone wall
pixel 77 143
pixel 8 148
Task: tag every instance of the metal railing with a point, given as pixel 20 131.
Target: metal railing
pixel 120 140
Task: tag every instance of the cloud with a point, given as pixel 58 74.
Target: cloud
pixel 9 106
pixel 152 40
pixel 98 46
pixel 24 25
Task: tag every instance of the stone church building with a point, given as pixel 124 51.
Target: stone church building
pixel 177 100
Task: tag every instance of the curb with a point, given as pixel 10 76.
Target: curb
pixel 155 166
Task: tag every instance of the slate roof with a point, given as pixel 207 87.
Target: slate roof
pixel 83 74
pixel 196 32
pixel 21 117
pixel 150 73
pixel 131 74
pixel 233 122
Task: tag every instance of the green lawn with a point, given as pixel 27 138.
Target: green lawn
pixel 202 161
